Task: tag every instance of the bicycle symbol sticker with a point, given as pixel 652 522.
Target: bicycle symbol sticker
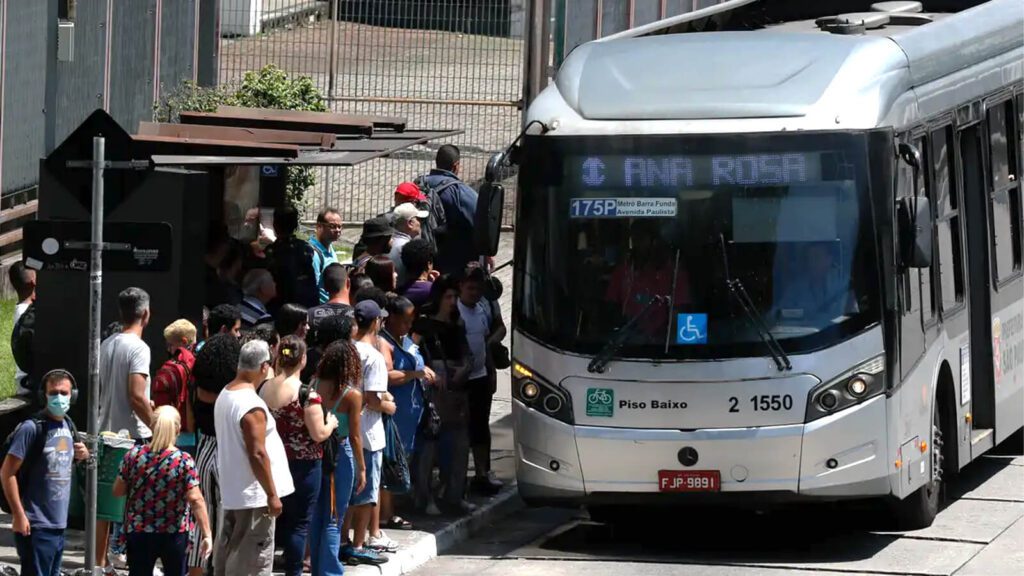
pixel 600 402
pixel 692 329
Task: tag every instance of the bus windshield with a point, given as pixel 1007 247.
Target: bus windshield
pixel 662 229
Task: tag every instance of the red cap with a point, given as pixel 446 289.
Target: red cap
pixel 410 191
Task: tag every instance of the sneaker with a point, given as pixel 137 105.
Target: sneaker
pixel 382 543
pixel 345 552
pixel 365 556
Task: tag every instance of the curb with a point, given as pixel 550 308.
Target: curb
pixel 431 545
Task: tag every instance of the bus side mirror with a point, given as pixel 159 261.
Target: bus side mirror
pixel 915 232
pixel 490 207
pixel 492 172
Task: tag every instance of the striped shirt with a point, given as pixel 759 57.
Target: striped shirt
pixel 254 312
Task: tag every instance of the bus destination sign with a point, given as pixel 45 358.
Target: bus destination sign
pixel 699 170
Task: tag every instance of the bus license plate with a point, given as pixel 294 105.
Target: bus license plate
pixel 689 480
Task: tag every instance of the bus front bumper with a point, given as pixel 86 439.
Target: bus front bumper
pixel 842 456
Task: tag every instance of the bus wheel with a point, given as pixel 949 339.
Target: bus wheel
pixel 920 508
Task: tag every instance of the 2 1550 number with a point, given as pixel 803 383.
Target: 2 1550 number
pixel 764 402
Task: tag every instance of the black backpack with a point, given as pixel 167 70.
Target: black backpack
pixel 291 264
pixel 22 344
pixel 434 229
pixel 39 421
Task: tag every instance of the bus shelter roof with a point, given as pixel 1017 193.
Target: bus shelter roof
pixel 259 136
pixel 342 152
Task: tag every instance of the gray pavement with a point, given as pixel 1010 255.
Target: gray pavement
pixel 980 532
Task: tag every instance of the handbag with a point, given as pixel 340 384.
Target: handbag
pixel 430 422
pixel 395 476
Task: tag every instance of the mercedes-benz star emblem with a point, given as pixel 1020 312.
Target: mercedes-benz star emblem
pixel 688 456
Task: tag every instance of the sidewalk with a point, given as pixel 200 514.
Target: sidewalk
pixel 431 537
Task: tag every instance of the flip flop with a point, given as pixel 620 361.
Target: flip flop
pixel 399 523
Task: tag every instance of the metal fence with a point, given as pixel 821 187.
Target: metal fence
pixel 440 63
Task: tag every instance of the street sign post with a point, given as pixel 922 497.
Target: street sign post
pixel 95 307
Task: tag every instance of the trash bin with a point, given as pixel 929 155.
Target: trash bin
pixel 108 462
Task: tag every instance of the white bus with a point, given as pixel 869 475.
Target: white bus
pixel 770 254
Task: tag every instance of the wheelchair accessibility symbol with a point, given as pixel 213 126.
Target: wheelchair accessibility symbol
pixel 692 329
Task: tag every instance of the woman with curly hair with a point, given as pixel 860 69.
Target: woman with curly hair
pixel 216 365
pixel 339 377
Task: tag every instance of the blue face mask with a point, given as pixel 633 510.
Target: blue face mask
pixel 58 404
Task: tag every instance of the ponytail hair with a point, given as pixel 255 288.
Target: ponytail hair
pixel 166 427
pixel 290 352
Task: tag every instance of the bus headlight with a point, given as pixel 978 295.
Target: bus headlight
pixel 529 389
pixel 857 386
pixel 863 382
pixel 539 394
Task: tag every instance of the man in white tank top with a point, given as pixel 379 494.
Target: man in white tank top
pixel 249 447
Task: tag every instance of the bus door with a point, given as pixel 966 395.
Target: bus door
pixel 971 162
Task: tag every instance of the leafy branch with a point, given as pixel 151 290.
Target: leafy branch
pixel 269 87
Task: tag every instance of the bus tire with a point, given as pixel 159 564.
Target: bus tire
pixel 920 508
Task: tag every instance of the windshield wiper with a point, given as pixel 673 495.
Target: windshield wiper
pixel 760 326
pixel 600 361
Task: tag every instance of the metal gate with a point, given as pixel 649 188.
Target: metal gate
pixel 440 63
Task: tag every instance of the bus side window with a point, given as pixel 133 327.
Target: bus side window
pixel 948 227
pixel 909 277
pixel 1004 190
pixel 927 275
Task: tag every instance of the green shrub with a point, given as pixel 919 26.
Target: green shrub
pixel 269 87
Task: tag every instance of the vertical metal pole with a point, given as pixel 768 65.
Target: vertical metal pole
pixel 332 55
pixel 95 299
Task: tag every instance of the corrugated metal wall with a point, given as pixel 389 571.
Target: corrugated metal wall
pixel 126 53
pixel 23 77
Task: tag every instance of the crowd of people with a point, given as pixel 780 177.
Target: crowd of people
pixel 319 401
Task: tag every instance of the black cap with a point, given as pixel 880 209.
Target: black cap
pixel 378 227
pixel 368 310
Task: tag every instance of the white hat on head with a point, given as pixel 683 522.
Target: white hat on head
pixel 408 211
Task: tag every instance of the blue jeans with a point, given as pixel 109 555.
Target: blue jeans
pixel 145 548
pixel 325 532
pixel 298 509
pixel 41 552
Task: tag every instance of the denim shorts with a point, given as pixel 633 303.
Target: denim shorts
pixel 369 495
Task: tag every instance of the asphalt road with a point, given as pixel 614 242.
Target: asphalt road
pixel 980 532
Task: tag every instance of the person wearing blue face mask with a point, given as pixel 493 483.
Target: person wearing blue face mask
pixel 36 478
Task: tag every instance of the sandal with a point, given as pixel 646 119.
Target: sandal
pixel 399 523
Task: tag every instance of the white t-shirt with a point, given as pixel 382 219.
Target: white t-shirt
pixel 239 488
pixel 478 326
pixel 375 380
pixel 19 309
pixel 122 355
